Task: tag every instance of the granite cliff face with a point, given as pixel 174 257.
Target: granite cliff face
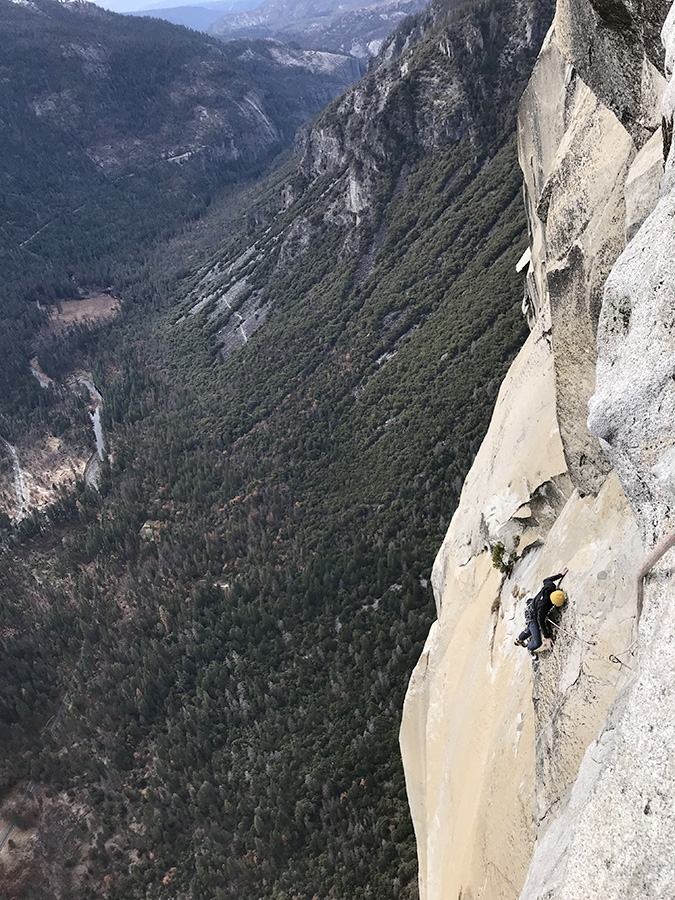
pixel 556 779
pixel 312 444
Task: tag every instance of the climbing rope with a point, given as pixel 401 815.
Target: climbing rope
pixel 648 564
pixel 613 657
pixel 571 633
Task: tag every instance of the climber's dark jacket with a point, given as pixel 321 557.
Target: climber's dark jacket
pixel 537 611
pixel 542 602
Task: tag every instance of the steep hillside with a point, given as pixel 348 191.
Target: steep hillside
pixel 553 778
pixel 224 631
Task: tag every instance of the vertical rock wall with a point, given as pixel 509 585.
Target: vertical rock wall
pixel 467 715
pixel 575 154
pixel 615 836
pixel 477 752
pixel 501 755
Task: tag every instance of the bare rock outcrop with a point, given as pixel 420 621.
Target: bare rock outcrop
pixel 632 409
pixel 593 760
pixel 614 837
pixel 423 101
pixel 615 47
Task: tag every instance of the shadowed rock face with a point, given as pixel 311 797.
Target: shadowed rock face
pixel 614 46
pixel 616 15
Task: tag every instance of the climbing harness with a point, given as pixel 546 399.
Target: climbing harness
pixel 649 563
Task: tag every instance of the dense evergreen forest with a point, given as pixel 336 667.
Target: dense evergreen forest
pixel 204 661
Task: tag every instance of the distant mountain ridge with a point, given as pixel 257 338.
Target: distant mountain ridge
pixel 138 92
pixel 355 27
pixel 143 7
pixel 197 16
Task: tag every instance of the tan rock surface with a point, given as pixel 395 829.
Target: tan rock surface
pixel 468 716
pixel 598 539
pixel 585 229
pixel 501 484
pixel 615 838
pixel 486 770
pixel 542 120
pixel 467 737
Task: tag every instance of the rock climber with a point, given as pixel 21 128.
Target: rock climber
pixel 536 612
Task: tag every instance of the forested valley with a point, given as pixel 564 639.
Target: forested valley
pixel 116 132
pixel 204 660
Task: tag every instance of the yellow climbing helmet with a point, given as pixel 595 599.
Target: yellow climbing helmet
pixel 557 598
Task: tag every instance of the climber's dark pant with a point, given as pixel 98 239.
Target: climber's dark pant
pixel 532 632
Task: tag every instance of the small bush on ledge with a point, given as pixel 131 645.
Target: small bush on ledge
pixel 501 560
